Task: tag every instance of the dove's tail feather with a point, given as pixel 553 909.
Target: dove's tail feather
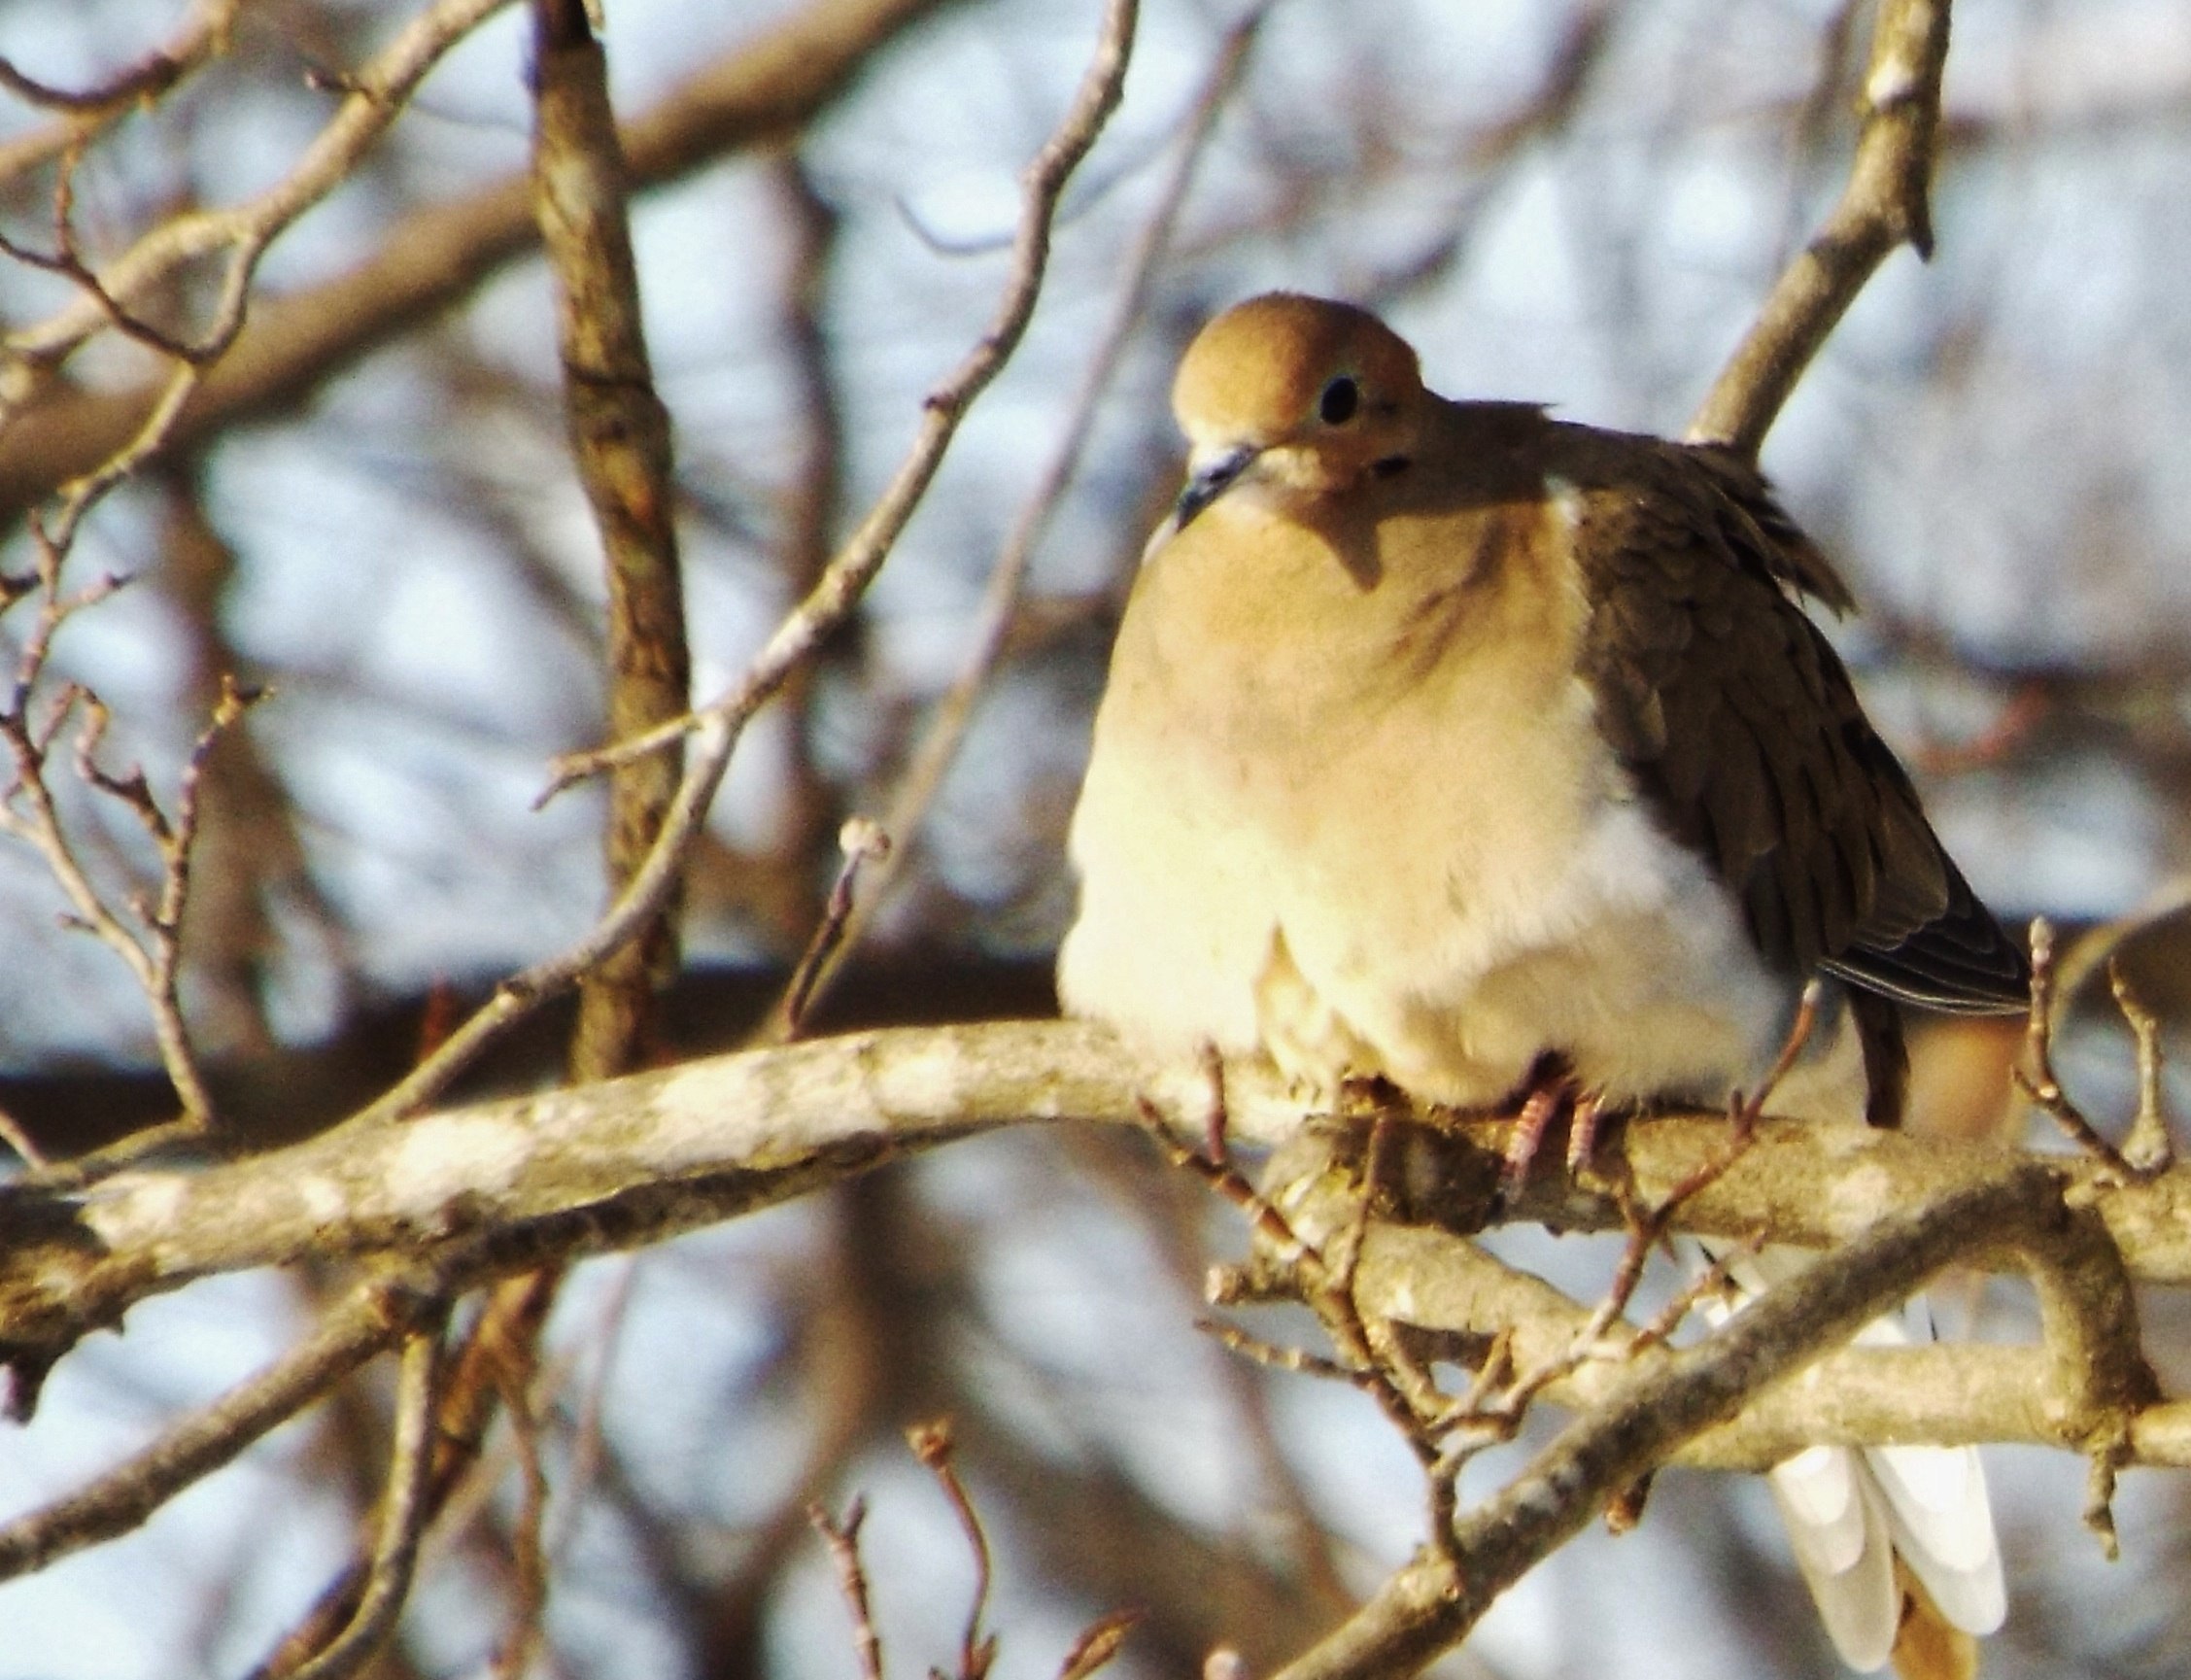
pixel 1929 1647
pixel 1874 1528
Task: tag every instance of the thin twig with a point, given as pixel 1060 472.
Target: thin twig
pixel 176 840
pixel 1434 1602
pixel 773 82
pixel 2148 1145
pixel 1402 1391
pixel 28 810
pixel 1498 1409
pixel 847 576
pixel 375 1317
pixel 67 261
pixel 933 1446
pixel 844 1539
pixel 83 112
pixel 954 714
pixel 521 1641
pixel 244 231
pixel 1743 1113
pixel 1500 1397
pixel 715 731
pixel 2040 1083
pixel 140 82
pixel 1097 1644
pixel 863 843
pixel 402 1521
pixel 1275 1356
pixel 502 1341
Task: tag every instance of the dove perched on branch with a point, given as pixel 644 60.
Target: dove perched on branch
pixel 1441 738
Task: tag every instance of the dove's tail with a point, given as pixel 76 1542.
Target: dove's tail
pixel 1868 1521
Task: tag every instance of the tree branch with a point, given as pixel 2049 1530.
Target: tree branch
pixel 1431 1604
pixel 374 1317
pixel 503 1186
pixel 242 232
pixel 1465 1298
pixel 404 1516
pixel 620 438
pixel 1885 204
pixel 438 256
pixel 715 729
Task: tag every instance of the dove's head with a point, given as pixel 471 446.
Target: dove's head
pixel 1297 393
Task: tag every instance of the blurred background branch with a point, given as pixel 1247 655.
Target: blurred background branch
pixel 366 507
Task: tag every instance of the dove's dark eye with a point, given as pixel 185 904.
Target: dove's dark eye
pixel 1340 399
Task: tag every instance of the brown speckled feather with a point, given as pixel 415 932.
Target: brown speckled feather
pixel 1740 726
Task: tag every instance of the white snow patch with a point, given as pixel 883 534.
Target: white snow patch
pixel 323 1197
pixel 705 1115
pixel 135 1207
pixel 445 1155
pixel 927 1083
pixel 1892 82
pixel 1862 1197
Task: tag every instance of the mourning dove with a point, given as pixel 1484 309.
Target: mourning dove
pixel 1443 736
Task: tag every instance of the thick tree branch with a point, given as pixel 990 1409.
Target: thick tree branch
pixel 1948 1394
pixel 498 1188
pixel 621 442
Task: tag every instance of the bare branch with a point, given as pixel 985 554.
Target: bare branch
pixel 862 843
pixel 436 257
pixel 933 1446
pixel 146 931
pixel 201 39
pixel 1432 1603
pixel 403 1516
pixel 2149 1145
pixel 952 714
pixel 1321 1274
pixel 513 1187
pixel 1097 1644
pixel 1885 204
pixel 242 232
pixel 505 1187
pixel 715 731
pixel 620 438
pixel 849 575
pixel 520 1640
pixel 2044 1088
pixel 372 1318
pixel 1463 1300
pixel 844 1539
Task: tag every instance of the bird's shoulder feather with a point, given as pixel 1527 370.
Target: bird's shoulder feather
pixel 1739 726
